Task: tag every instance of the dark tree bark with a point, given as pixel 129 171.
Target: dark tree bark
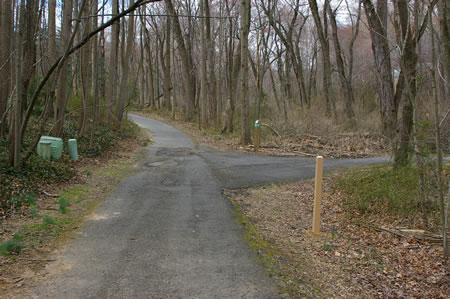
pixel 6 19
pixel 377 20
pixel 244 32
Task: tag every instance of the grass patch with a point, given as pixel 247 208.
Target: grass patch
pixel 48 220
pixel 11 247
pixel 63 204
pixel 383 189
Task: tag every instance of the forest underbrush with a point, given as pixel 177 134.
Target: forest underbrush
pixel 19 189
pixel 307 133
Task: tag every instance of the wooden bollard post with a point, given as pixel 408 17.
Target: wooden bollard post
pixel 256 139
pixel 317 195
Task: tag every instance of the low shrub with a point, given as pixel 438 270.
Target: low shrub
pixel 383 189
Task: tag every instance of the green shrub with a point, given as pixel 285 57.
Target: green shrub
pixel 382 189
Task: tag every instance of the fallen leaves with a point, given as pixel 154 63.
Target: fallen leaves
pixel 353 258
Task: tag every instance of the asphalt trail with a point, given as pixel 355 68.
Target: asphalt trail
pixel 167 232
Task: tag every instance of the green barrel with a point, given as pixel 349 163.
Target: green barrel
pixel 73 151
pixel 45 149
pixel 56 147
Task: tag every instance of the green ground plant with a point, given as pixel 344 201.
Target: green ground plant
pixel 11 247
pixel 386 190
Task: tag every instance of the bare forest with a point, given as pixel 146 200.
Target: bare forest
pixel 337 78
pixel 358 66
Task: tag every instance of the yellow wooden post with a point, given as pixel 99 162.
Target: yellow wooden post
pixel 256 139
pixel 317 195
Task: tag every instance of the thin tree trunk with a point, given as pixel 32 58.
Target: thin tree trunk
pixel 346 83
pixel 62 78
pixel 204 85
pixel 19 41
pixel 377 20
pixel 244 32
pixel 322 32
pixel 6 20
pixel 210 46
pixel 85 63
pixel 189 78
pixel 126 53
pixel 442 201
pixel 111 90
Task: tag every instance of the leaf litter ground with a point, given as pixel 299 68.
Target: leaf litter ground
pixel 353 259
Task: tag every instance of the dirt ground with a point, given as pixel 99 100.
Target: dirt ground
pixel 46 230
pixel 356 257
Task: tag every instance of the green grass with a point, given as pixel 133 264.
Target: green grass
pixel 63 204
pixel 383 189
pixel 48 220
pixel 11 247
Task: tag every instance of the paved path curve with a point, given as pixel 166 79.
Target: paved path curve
pixel 167 232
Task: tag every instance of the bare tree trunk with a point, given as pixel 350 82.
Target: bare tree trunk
pixel 244 31
pixel 444 17
pixel 220 71
pixel 126 53
pixel 233 70
pixel 19 41
pixel 167 69
pixel 62 78
pixel 346 83
pixel 443 206
pixel 95 73
pixel 111 90
pixel 6 20
pixel 377 20
pixel 151 79
pixel 210 45
pixel 85 62
pixel 52 54
pixel 186 61
pixel 204 85
pixel 322 32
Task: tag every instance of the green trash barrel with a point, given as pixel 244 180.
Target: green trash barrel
pixel 56 147
pixel 73 151
pixel 45 150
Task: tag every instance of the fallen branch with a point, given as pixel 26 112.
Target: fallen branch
pixel 48 194
pixel 272 129
pixel 303 153
pixel 36 260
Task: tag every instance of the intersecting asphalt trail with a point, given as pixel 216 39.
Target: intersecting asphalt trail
pixel 168 232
